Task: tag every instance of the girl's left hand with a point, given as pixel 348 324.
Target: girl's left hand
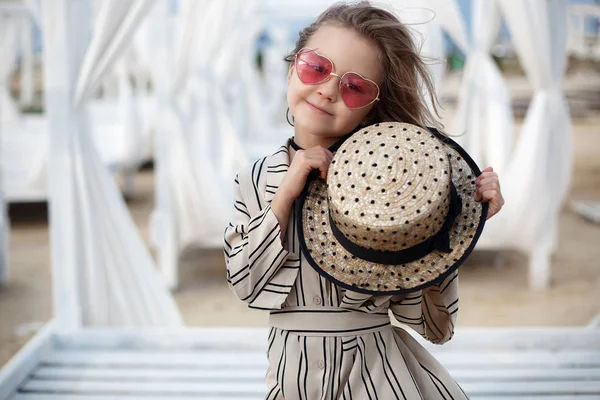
pixel 488 190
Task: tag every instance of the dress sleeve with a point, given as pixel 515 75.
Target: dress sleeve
pixel 259 270
pixel 432 311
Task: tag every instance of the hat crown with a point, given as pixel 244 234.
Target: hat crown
pixel 389 186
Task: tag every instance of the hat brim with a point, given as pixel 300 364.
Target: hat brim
pixel 331 260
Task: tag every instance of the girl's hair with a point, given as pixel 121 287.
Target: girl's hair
pixel 405 73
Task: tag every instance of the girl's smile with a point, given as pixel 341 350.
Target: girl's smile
pixel 319 110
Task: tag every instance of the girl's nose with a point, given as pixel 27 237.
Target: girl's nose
pixel 330 89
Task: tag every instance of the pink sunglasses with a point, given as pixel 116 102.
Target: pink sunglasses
pixel 356 91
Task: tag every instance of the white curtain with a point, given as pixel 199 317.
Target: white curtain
pixel 199 149
pixel 538 176
pixel 9 30
pixel 27 89
pixel 4 237
pixel 8 113
pixel 450 18
pixel 4 227
pixel 483 122
pixel 103 273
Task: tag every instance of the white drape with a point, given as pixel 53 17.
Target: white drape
pixel 199 147
pixel 450 19
pixel 103 274
pixel 9 30
pixel 538 176
pixel 484 113
pixel 27 64
pixel 4 236
pixel 4 227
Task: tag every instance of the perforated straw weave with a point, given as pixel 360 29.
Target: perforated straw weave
pixel 397 212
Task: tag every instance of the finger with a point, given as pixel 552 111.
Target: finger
pixel 488 195
pixel 320 165
pixel 488 169
pixel 324 168
pixel 491 182
pixel 486 175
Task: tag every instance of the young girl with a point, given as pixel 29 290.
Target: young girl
pixel 371 50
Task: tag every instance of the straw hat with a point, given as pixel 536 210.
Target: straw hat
pixel 397 213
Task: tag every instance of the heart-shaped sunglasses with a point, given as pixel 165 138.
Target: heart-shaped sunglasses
pixel 356 91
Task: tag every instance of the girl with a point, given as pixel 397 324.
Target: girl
pixel 371 50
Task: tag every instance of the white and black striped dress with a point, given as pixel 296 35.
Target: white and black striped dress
pixel 326 342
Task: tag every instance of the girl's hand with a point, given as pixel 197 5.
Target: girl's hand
pixel 488 190
pixel 303 163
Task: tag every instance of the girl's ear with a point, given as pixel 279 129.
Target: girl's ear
pixel 290 72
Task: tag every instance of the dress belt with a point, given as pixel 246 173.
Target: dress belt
pixel 327 321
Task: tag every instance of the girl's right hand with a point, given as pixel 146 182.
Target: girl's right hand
pixel 304 162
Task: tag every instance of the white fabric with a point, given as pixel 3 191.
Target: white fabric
pixel 9 29
pixel 450 19
pixel 116 20
pixel 537 178
pixel 27 64
pixel 215 145
pixel 23 156
pixel 483 123
pixel 33 6
pixel 4 229
pixel 155 43
pixel 104 275
pixel 198 147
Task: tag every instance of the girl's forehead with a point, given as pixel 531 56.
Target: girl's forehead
pixel 348 50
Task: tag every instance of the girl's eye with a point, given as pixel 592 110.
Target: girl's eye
pixel 354 87
pixel 318 68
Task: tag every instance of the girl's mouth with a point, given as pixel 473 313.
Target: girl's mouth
pixel 318 109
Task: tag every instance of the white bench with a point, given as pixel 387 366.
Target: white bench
pixel 230 363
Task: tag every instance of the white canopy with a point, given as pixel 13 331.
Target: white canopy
pixel 538 175
pixel 484 113
pixel 199 150
pixel 103 274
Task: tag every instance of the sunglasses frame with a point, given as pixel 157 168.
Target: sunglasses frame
pixel 326 79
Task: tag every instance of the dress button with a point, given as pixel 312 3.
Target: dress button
pixel 321 364
pixel 317 301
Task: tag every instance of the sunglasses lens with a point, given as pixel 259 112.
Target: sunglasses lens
pixel 312 68
pixel 358 92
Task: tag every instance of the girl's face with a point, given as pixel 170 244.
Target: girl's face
pixel 320 114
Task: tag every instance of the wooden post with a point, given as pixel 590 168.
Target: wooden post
pixel 65 27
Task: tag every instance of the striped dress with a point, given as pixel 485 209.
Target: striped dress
pixel 326 342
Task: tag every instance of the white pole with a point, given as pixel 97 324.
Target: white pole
pixel 163 228
pixel 4 232
pixel 66 34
